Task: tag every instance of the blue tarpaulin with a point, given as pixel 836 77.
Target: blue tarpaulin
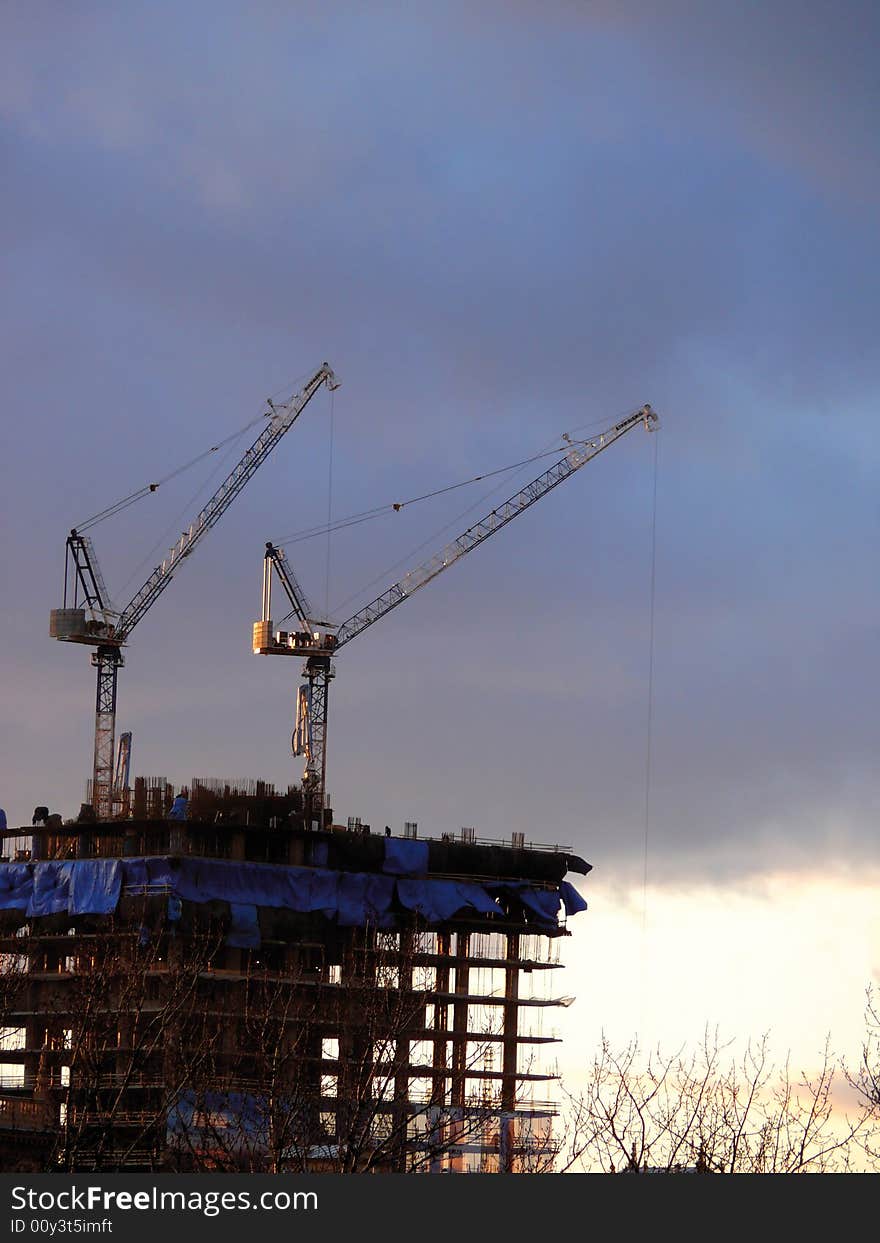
pixel 16 886
pixel 146 876
pixel 364 897
pixel 438 900
pixel 261 884
pixel 323 892
pixel 404 857
pixel 94 886
pixel 51 894
pixel 541 905
pixel 571 899
pixel 244 930
pixel 95 889
pixel 240 1119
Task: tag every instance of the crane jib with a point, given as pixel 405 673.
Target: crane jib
pixel 319 668
pixel 492 522
pixel 282 420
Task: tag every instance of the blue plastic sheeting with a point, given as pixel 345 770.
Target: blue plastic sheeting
pixel 178 808
pixel 541 905
pixel 146 876
pixel 404 857
pixel 95 889
pixel 571 899
pixel 260 884
pixel 365 897
pixel 323 892
pixel 241 1119
pixel 244 930
pixel 94 886
pixel 16 886
pixel 51 894
pixel 438 900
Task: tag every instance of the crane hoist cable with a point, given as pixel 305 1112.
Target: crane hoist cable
pixel 517 467
pixel 124 502
pixel 377 511
pixel 174 526
pixel 118 506
pixel 649 731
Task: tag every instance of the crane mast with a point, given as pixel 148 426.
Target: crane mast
pixel 318 669
pixel 318 645
pixel 89 617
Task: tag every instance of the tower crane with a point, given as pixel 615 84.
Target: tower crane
pixel 88 615
pixel 319 641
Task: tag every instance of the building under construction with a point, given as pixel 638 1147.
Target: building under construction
pixel 226 980
pixel 211 983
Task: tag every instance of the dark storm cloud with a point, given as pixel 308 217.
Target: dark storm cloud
pixel 497 225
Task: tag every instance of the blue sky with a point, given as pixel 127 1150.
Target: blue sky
pixel 498 223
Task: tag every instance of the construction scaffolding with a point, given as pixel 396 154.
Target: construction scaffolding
pixel 227 989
